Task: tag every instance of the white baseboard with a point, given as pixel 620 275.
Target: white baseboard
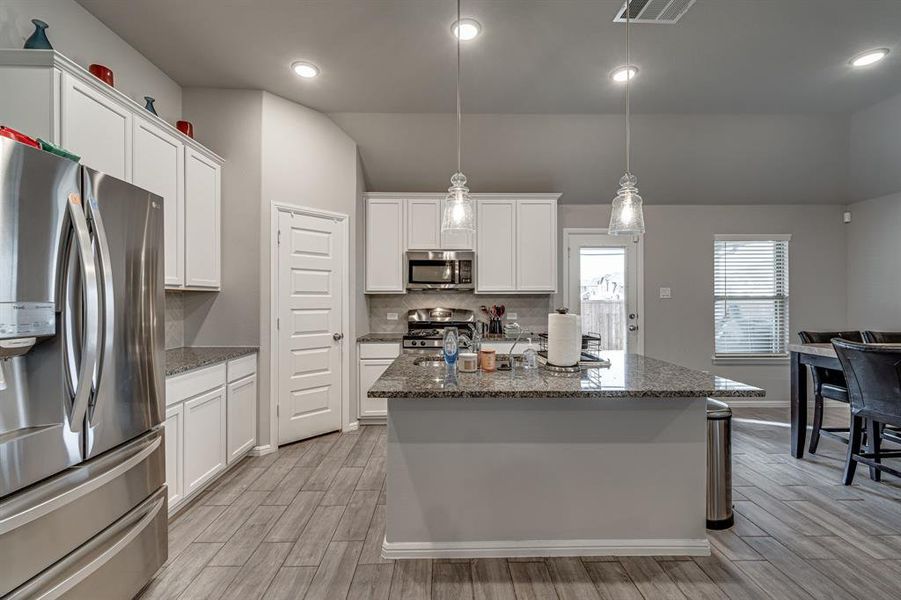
pixel 262 450
pixel 352 426
pixel 511 549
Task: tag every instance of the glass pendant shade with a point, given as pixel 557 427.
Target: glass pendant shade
pixel 627 217
pixel 459 213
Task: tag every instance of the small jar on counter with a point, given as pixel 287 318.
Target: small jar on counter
pixel 488 360
pixel 468 362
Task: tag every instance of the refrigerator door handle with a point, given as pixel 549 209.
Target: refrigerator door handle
pixel 91 315
pixel 106 298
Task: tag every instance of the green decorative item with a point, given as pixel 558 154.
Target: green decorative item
pixel 149 104
pixel 38 40
pixel 53 149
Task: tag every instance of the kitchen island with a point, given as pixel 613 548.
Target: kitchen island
pixel 607 462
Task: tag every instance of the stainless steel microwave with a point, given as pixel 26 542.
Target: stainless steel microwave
pixel 440 270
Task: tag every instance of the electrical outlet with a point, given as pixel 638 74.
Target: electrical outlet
pixel 511 316
pixel 392 316
pixel 666 292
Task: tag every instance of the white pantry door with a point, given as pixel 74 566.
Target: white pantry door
pixel 310 329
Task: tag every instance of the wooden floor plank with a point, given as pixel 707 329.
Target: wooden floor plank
pixel 612 581
pixel 288 488
pixel 313 541
pixel 242 544
pixel 333 577
pixel 231 519
pixel 357 516
pixel 491 580
pixel 290 583
pixel 293 521
pixel 210 583
pixel 175 579
pixel 342 487
pixel 532 581
pixel 451 581
pixel 412 580
pixel 372 547
pixel 571 580
pixel 252 581
pixel 650 579
pixel 692 580
pixel 371 582
pixel 799 571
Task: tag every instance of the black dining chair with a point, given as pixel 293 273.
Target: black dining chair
pixel 828 384
pixel 882 337
pixel 873 373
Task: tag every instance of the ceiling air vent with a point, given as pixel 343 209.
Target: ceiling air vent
pixel 654 11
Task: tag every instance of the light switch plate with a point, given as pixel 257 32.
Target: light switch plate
pixel 392 316
pixel 511 316
pixel 666 292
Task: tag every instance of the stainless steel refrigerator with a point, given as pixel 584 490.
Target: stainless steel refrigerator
pixel 82 469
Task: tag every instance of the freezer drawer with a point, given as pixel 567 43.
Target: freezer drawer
pixel 115 565
pixel 42 524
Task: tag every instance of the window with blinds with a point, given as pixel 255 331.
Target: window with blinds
pixel 751 296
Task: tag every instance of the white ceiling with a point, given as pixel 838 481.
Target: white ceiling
pixel 550 56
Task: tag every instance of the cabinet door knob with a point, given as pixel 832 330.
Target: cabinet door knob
pixel 337 336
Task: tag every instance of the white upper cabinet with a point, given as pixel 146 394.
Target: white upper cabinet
pixel 202 200
pixel 536 245
pixel 96 127
pixel 424 224
pixel 496 255
pixel 46 94
pixel 159 167
pixel 385 245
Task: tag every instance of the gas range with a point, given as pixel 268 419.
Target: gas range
pixel 425 326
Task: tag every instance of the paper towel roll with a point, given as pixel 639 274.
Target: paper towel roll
pixel 564 339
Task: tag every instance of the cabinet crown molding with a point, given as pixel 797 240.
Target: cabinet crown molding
pixel 53 59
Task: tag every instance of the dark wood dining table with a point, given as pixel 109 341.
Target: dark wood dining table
pixel 803 356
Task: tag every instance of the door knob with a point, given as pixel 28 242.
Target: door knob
pixel 633 327
pixel 337 336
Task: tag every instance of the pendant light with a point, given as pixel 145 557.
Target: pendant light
pixel 458 210
pixel 626 216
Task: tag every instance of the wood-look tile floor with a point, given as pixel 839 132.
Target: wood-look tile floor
pixel 307 523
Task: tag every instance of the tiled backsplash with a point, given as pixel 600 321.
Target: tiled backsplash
pixel 175 320
pixel 531 310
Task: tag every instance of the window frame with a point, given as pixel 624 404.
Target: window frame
pixel 754 359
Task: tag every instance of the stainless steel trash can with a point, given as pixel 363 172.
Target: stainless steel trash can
pixel 719 465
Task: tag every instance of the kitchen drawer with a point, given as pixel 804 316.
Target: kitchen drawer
pixel 379 351
pixel 190 384
pixel 242 367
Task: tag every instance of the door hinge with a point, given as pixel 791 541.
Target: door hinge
pixel 278 323
pixel 278 238
pixel 277 410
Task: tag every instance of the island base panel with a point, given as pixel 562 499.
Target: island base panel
pixel 545 477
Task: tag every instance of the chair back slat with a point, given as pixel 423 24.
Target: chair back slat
pixel 873 374
pixel 882 337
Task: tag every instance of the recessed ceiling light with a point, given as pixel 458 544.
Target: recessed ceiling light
pixel 305 69
pixel 869 57
pixel 621 74
pixel 466 30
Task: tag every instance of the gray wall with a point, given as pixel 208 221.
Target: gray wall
pixel 83 38
pixel 229 122
pixel 308 161
pixel 679 159
pixel 874 234
pixel 874 264
pixel 678 251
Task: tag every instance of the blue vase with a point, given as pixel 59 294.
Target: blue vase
pixel 149 106
pixel 38 40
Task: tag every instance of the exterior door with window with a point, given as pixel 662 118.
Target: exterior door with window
pixel 604 286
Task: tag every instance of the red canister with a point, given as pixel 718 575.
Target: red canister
pixel 186 127
pixel 102 73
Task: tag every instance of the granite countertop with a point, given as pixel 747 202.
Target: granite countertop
pixel 180 360
pixel 629 376
pixel 384 338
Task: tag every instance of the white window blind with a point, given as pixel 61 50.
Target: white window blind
pixel 751 296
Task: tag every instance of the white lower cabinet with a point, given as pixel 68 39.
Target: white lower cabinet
pixel 175 425
pixel 210 424
pixel 204 438
pixel 242 417
pixel 374 359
